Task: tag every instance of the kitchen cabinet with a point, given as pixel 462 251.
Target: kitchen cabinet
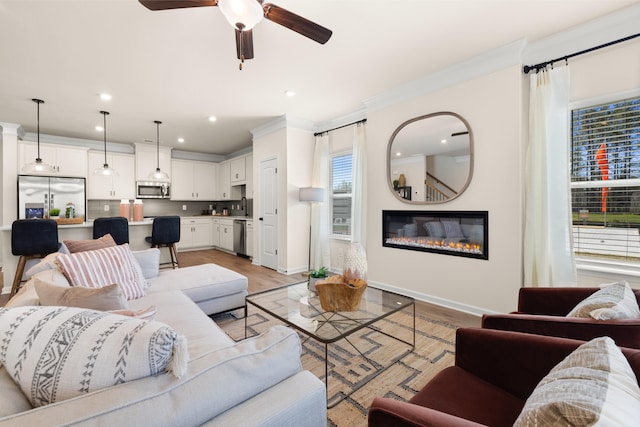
pixel 113 187
pixel 193 180
pixel 225 190
pixel 66 160
pixel 249 173
pixel 215 232
pixel 195 232
pixel 147 161
pixel 226 234
pixel 238 171
pixel 249 238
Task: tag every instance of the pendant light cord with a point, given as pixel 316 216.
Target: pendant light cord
pixel 104 128
pixel 38 102
pixel 157 122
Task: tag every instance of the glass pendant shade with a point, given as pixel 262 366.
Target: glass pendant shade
pixel 105 170
pixel 157 174
pixel 38 166
pixel 245 12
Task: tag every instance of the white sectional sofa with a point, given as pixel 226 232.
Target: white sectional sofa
pixel 254 382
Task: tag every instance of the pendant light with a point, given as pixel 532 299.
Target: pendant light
pixel 38 166
pixel 157 174
pixel 105 170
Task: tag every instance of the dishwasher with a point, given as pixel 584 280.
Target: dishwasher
pixel 239 241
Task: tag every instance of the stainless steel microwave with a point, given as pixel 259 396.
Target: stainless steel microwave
pixel 153 190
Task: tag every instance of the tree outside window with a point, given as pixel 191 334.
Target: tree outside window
pixel 341 187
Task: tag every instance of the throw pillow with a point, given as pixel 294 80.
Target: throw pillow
pixel 614 301
pixel 56 353
pixel 95 269
pixel 434 229
pixel 149 262
pixel 594 385
pixel 46 263
pixel 452 229
pixel 410 230
pixel 74 246
pixel 107 298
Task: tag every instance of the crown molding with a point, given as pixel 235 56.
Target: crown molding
pixel 282 122
pixel 354 116
pixel 116 147
pixel 13 129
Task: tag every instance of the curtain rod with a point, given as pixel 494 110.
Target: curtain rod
pixel 542 65
pixel 340 127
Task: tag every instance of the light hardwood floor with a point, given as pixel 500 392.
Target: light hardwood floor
pixel 262 278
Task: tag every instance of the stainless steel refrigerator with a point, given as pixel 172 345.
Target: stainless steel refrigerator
pixel 37 195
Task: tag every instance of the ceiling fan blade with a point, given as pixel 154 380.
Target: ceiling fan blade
pixel 246 47
pixel 296 23
pixel 176 4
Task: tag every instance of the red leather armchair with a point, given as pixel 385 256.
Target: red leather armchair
pixel 542 311
pixel 494 374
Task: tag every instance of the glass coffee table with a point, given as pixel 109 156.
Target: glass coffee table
pixel 300 308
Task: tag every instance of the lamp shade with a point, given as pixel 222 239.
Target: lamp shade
pixel 247 13
pixel 311 194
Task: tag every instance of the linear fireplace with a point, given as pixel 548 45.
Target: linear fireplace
pixel 458 233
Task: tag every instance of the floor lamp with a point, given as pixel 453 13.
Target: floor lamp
pixel 311 194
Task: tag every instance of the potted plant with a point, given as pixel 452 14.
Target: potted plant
pixel 316 275
pixel 54 213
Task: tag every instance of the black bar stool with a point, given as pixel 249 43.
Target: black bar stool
pixel 165 232
pixel 31 239
pixel 117 226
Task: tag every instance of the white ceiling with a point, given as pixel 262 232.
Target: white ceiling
pixel 180 66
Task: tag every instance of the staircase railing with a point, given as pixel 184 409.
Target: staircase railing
pixel 436 190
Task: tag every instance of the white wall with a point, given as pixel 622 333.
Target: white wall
pixel 492 106
pixel 414 170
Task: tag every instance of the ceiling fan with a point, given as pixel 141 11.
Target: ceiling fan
pixel 243 15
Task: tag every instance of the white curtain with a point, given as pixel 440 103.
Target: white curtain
pixel 548 246
pixel 320 212
pixel 359 187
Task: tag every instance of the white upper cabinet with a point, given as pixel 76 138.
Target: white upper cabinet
pixel 249 173
pixel 66 160
pixel 224 182
pixel 147 161
pixel 193 180
pixel 114 187
pixel 238 171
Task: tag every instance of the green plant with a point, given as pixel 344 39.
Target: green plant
pixel 54 212
pixel 319 273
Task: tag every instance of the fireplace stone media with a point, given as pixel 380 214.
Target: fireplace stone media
pixel 458 233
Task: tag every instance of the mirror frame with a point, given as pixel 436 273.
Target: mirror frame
pixel 471 157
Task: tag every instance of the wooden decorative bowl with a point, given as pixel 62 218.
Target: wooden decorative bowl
pixel 336 294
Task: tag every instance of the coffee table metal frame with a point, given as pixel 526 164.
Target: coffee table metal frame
pixel 299 308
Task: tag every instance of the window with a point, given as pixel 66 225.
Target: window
pixel 341 180
pixel 605 180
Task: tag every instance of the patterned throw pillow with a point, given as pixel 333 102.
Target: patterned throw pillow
pixel 95 269
pixel 614 301
pixel 74 246
pixel 56 353
pixel 594 385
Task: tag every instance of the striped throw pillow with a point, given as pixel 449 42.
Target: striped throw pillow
pixel 102 267
pixel 74 246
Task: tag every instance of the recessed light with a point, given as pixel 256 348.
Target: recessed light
pixel 99 128
pixel 181 140
pixel 212 118
pixel 444 141
pixel 289 93
pixel 105 97
pixel 398 154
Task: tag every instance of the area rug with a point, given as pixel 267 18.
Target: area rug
pixel 433 352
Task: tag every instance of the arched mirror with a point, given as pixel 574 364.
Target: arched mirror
pixel 430 158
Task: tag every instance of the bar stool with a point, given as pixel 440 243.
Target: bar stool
pixel 31 239
pixel 117 226
pixel 165 232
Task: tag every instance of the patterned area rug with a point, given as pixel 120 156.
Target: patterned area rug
pixel 347 368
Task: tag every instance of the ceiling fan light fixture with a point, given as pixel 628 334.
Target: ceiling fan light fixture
pixel 247 13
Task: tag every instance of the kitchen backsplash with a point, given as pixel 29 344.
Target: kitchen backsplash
pixel 152 207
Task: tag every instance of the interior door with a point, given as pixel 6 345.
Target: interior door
pixel 268 214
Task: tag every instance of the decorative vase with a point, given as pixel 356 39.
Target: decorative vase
pixel 402 180
pixel 355 262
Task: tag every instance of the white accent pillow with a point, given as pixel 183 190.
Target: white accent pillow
pixel 55 353
pixel 149 262
pixel 593 386
pixel 95 269
pixel 613 301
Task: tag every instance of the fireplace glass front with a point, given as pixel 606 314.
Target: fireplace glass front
pixel 458 233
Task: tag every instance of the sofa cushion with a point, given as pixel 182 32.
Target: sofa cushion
pixel 594 385
pixel 55 353
pixel 27 294
pixel 200 282
pixel 107 298
pixel 614 301
pixel 13 399
pixel 95 269
pixel 74 246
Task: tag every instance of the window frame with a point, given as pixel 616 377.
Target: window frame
pixel 593 264
pixel 332 156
